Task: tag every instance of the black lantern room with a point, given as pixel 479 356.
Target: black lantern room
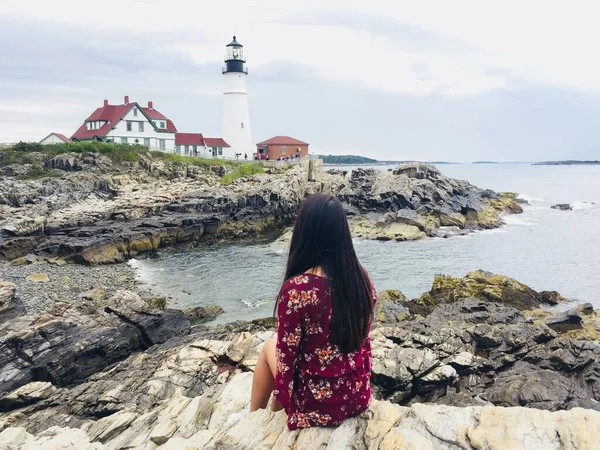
pixel 234 58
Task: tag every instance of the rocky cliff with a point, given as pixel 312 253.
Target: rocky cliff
pixel 415 200
pixel 97 211
pixel 93 210
pixel 121 373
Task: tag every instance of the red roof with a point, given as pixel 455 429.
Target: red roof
pixel 113 114
pixel 282 140
pixel 153 114
pixel 170 127
pixel 63 137
pixel 189 139
pixel 215 142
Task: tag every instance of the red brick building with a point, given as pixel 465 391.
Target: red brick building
pixel 281 147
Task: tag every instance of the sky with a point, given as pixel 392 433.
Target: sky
pixel 429 80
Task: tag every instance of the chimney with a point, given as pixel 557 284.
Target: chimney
pixel 126 99
pixel 150 104
pixel 105 102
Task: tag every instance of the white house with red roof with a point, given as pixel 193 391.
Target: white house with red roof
pixel 55 138
pixel 129 123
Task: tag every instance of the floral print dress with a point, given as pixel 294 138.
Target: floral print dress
pixel 316 383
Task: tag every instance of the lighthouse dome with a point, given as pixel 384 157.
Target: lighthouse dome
pixel 234 58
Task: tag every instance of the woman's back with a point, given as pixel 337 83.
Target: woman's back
pixel 316 382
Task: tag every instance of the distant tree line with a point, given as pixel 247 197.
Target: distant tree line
pixel 347 159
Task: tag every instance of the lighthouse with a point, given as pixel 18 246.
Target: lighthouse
pixel 236 118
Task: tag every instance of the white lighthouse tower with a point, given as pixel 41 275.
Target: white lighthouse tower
pixel 236 118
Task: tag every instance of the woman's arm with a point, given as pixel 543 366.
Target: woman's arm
pixel 289 335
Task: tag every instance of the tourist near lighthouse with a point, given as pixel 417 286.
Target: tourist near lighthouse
pixel 236 118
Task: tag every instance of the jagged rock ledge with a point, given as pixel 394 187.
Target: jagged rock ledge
pixel 383 426
pixel 122 373
pixel 98 211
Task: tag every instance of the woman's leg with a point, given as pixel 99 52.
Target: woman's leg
pixel 264 378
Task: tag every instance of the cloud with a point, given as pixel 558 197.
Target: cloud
pixel 391 79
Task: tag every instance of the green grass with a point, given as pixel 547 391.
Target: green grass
pixel 21 153
pixel 29 153
pixel 244 170
pixel 195 161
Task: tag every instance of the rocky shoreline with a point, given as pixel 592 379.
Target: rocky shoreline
pixel 93 210
pixel 91 359
pixel 473 363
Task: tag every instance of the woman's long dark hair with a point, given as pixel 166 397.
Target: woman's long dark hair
pixel 322 238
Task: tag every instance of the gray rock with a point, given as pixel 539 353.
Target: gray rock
pixel 11 305
pixel 201 314
pixel 566 321
pixel 562 207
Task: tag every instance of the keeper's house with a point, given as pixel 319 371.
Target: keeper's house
pixel 131 123
pixel 281 147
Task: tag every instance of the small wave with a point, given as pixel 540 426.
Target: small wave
pixel 582 205
pixel 530 198
pixel 516 220
pixel 135 263
pixel 494 231
pixel 250 304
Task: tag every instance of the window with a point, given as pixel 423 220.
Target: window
pixel 123 140
pixel 140 126
pixel 135 112
pixel 220 151
pixel 129 125
pixel 147 142
pixel 187 149
pixel 162 125
pixel 176 148
pixel 284 150
pixel 161 144
pixel 242 125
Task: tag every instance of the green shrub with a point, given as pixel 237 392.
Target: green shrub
pixel 18 153
pixel 245 170
pixel 28 147
pixel 37 172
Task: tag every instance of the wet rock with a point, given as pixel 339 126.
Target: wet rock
pixel 481 285
pixel 566 321
pixel 552 298
pixel 389 307
pixel 201 314
pixel 562 207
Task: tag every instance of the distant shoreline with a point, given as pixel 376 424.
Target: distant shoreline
pixel 567 163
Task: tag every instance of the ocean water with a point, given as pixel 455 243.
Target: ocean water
pixel 544 248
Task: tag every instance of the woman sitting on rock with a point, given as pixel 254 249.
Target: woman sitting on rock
pixel 319 366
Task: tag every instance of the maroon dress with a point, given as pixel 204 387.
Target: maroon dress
pixel 316 383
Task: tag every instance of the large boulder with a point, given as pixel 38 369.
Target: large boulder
pixel 72 342
pixel 481 285
pixel 414 200
pixel 389 307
